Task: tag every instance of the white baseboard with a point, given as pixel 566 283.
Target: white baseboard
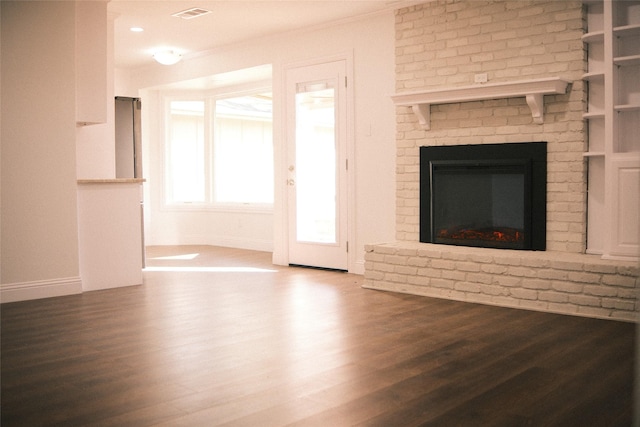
pixel 12 292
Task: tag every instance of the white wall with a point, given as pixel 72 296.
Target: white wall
pixel 39 212
pixel 371 42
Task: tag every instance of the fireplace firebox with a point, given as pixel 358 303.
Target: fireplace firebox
pixel 491 195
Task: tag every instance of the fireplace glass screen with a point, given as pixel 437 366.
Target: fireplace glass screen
pixel 479 203
pixel 491 195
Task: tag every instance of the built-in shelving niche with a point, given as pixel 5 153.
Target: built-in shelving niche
pixel 612 41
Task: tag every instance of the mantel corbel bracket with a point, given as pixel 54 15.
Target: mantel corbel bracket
pixel 536 104
pixel 532 90
pixel 423 113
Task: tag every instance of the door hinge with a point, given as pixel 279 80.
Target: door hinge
pixel 345 81
pixel 347 246
pixel 346 164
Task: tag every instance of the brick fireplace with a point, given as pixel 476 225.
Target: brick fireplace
pixel 446 43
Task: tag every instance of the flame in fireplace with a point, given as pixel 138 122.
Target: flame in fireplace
pixel 505 234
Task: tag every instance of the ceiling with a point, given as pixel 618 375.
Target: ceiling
pixel 230 22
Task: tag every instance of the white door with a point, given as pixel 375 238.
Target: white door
pixel 317 165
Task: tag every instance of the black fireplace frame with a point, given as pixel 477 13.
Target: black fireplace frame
pixel 533 155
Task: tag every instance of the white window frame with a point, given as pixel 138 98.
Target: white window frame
pixel 165 154
pixel 210 98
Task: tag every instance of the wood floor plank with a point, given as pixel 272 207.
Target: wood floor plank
pixel 219 336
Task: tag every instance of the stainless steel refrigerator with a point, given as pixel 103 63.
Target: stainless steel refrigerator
pixel 129 147
pixel 128 141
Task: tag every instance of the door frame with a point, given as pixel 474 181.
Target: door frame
pixel 281 228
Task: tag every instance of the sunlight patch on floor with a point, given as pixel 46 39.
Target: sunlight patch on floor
pixel 212 269
pixel 177 257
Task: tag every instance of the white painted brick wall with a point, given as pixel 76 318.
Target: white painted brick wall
pixel 445 43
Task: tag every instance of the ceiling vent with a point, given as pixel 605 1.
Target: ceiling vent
pixel 191 13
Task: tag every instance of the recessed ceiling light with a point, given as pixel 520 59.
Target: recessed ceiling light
pixel 194 12
pixel 136 29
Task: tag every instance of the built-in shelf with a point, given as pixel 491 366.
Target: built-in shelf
pixel 626 31
pixel 594 37
pixel 627 60
pixel 594 115
pixel 627 107
pixel 532 90
pixel 593 154
pixel 597 75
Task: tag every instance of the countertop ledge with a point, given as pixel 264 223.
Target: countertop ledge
pixel 112 181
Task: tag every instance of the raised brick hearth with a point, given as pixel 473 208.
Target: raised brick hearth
pixel 547 281
pixel 445 43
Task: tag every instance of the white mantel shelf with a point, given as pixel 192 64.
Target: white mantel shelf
pixel 532 90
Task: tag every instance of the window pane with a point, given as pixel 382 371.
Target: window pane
pixel 185 154
pixel 243 150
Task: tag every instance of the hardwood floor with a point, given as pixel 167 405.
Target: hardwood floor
pixel 226 338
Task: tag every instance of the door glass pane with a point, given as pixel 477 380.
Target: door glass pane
pixel 315 164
